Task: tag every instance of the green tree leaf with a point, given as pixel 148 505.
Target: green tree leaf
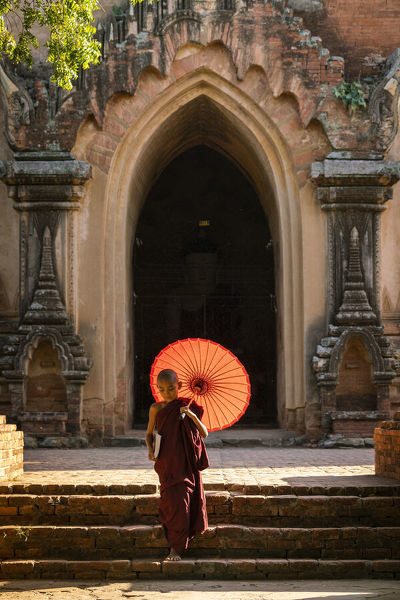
pixel 70 44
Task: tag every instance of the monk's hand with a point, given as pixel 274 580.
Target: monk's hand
pixel 186 410
pixel 151 455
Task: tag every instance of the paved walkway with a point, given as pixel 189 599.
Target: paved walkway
pixel 244 466
pixel 211 590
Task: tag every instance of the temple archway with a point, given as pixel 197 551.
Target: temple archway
pixel 203 108
pixel 204 267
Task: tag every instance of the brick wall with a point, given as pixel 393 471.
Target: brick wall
pixel 360 31
pixel 387 449
pixel 354 428
pixel 11 450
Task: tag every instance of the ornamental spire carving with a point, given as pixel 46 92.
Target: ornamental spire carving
pixel 355 308
pixel 46 306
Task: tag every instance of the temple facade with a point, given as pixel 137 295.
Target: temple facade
pixel 204 181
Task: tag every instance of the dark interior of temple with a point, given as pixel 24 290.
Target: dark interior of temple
pixel 204 267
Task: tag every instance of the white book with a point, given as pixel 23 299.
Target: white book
pixel 157 445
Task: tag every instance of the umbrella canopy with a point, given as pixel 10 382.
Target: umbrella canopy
pixel 211 375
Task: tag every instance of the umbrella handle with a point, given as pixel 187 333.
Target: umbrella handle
pixel 183 415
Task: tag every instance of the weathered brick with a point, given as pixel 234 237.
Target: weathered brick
pixel 120 569
pixel 182 568
pixel 17 569
pixel 8 510
pixel 387 460
pixel 148 566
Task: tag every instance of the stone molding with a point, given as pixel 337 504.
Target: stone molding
pixel 344 170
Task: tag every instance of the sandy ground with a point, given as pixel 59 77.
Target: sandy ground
pixel 204 590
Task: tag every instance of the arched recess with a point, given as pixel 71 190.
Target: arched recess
pixel 201 107
pixel 356 389
pixel 204 267
pixel 45 387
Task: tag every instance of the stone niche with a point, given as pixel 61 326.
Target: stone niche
pixel 45 393
pixel 45 387
pixel 356 389
pixel 356 392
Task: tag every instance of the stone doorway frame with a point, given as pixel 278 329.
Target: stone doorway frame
pixel 260 150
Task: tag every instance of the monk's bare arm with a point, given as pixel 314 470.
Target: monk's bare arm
pixel 150 430
pixel 199 424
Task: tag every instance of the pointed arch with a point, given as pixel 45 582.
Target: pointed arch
pixel 33 339
pixel 203 107
pixel 369 343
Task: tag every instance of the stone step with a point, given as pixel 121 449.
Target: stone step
pixel 236 438
pixel 7 427
pixel 390 489
pixel 220 541
pixel 59 489
pixel 223 569
pixel 226 507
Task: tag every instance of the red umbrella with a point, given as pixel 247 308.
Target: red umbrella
pixel 211 375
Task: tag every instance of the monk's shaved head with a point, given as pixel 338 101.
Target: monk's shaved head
pixel 167 375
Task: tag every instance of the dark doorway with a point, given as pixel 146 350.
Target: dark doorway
pixel 204 267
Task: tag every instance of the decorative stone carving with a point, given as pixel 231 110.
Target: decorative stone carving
pixel 355 308
pixel 46 189
pixel 147 39
pixel 19 106
pixel 353 192
pixel 383 104
pixel 46 305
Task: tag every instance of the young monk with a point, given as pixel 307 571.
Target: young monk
pixel 182 505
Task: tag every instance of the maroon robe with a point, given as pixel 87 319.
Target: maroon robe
pixel 182 504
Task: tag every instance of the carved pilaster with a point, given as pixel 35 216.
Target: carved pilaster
pixel 46 190
pixel 353 192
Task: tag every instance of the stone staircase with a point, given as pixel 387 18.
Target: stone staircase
pixel 255 532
